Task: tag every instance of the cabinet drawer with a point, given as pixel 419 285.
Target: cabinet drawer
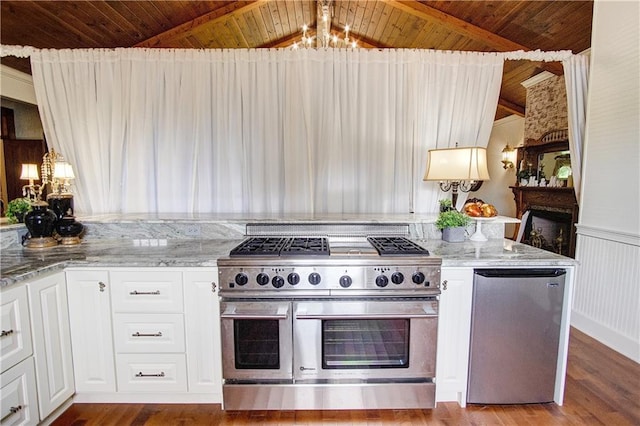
pixel 18 395
pixel 153 333
pixel 146 291
pixel 16 330
pixel 151 372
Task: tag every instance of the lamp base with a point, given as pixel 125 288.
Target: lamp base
pixel 69 241
pixel 40 242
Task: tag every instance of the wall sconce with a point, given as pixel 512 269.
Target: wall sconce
pixel 457 169
pixel 508 157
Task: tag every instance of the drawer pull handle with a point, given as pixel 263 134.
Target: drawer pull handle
pixel 101 286
pixel 161 374
pixel 145 293
pixel 138 334
pixel 11 412
pixel 6 332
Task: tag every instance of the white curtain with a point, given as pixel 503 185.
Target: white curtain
pixel 576 78
pixel 268 131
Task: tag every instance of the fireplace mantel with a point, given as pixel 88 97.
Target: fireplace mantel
pixel 561 200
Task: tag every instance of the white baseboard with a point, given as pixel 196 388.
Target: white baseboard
pixel 146 398
pixel 619 343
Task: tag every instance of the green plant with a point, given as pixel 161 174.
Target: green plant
pixel 16 209
pixel 445 204
pixel 524 174
pixel 452 219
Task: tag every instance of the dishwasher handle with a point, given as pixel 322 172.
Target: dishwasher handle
pixel 520 272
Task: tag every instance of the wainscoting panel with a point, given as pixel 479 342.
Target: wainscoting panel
pixel 606 302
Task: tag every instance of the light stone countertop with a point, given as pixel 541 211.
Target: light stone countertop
pixel 116 241
pixel 20 264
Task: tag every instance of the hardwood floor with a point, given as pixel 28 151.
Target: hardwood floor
pixel 603 388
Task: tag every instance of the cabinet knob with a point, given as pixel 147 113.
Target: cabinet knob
pixel 444 285
pixel 101 285
pixel 213 287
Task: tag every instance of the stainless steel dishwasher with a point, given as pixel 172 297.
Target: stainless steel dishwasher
pixel 515 332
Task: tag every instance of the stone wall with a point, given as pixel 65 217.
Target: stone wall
pixel 546 108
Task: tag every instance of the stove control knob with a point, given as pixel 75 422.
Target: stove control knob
pixel 382 280
pixel 397 278
pixel 345 281
pixel 241 279
pixel 293 278
pixel 314 278
pixel 262 278
pixel 277 281
pixel 418 278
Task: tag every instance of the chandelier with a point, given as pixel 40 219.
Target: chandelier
pixel 324 37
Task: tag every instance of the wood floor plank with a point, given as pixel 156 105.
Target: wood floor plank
pixel 602 388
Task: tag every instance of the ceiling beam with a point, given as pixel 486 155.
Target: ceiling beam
pixel 189 27
pixel 467 29
pixel 511 107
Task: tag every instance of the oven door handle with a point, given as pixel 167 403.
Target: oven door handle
pixel 281 314
pixel 405 315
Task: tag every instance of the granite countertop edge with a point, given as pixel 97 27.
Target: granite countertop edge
pixel 22 265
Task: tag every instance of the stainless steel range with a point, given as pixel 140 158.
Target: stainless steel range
pixel 328 322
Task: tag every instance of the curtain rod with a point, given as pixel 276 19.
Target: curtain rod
pixel 532 55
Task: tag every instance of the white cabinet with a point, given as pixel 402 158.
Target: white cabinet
pixel 147 307
pixel 16 330
pixel 51 341
pixel 91 330
pixel 19 403
pixel 454 328
pixel 202 321
pixel 146 334
pixel 18 395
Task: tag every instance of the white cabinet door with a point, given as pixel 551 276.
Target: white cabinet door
pixel 18 395
pixel 91 331
pixel 156 373
pixel 146 290
pixel 16 330
pixel 51 341
pixel 454 328
pixel 148 333
pixel 202 322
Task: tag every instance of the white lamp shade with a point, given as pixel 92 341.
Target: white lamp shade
pixel 29 172
pixel 63 170
pixel 457 164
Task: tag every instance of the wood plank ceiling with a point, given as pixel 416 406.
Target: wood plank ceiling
pixel 445 25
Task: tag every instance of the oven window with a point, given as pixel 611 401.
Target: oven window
pixel 360 344
pixel 257 344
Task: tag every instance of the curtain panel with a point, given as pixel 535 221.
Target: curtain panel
pixel 261 131
pixel 576 78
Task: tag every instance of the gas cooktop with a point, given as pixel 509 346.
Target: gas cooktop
pixel 320 246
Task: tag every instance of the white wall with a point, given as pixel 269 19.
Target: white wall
pixel 607 296
pixel 496 191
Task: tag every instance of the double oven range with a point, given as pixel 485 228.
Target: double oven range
pixel 315 321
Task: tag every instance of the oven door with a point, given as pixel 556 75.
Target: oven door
pixel 256 340
pixel 365 339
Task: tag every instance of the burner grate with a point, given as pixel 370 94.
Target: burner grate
pixel 259 246
pixel 396 246
pixel 271 246
pixel 314 246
